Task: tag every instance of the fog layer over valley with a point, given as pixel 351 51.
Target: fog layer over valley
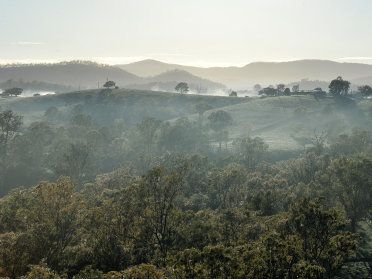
pixel 171 185
pixel 173 139
pixel 66 76
pixel 264 73
pixel 158 76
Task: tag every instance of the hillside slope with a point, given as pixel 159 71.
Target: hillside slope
pixel 89 75
pixel 168 80
pixel 291 123
pixel 75 73
pixel 105 106
pixel 264 73
pixel 285 123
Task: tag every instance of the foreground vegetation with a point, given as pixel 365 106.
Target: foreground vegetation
pixel 173 191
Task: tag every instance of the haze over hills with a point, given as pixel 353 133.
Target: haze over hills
pixel 363 80
pixel 85 74
pixel 36 86
pixel 264 73
pixel 129 104
pixel 155 75
pixel 167 81
pixel 176 74
pixel 150 67
pixel 76 73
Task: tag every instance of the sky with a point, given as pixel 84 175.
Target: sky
pixel 191 32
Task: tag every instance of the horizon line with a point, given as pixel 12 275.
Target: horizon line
pixel 110 61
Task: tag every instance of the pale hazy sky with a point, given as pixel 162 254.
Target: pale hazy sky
pixel 195 32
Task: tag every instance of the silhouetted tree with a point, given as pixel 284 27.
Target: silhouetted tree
pixel 108 84
pixel 268 91
pixel 339 87
pixel 182 87
pixel 12 92
pixel 365 90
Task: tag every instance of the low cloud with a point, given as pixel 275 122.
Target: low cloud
pixel 28 43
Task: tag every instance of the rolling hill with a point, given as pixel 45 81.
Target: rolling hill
pixel 87 75
pixel 36 86
pixel 264 73
pixel 149 67
pixel 168 80
pixel 105 106
pixel 76 73
pixel 285 123
pixel 158 76
pixel 293 122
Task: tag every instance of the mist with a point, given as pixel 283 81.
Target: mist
pixel 157 139
pixel 187 165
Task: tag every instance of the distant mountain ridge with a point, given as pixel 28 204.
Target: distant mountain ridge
pixel 36 86
pixel 265 73
pixel 168 80
pixel 75 73
pixel 88 75
pixel 155 75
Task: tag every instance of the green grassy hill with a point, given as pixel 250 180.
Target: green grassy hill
pixel 285 123
pixel 107 105
pixel 288 123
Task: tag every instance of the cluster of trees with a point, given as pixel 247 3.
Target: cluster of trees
pixel 110 84
pixel 281 90
pixel 337 88
pixel 15 91
pixel 182 87
pixel 340 87
pixel 192 216
pixel 233 93
pixel 365 90
pixel 36 86
pixel 81 148
pixel 179 199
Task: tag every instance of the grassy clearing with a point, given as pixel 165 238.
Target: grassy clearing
pixel 285 123
pixel 290 123
pixel 106 106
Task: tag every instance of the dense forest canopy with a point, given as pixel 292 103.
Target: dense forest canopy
pixel 117 183
pixel 172 139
